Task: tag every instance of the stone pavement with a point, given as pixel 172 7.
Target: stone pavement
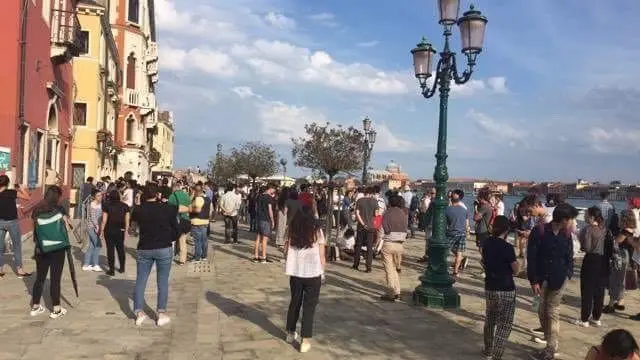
pixel 234 309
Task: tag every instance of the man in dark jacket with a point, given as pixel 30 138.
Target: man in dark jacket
pixel 549 266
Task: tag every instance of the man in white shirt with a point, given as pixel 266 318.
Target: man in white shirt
pixel 230 206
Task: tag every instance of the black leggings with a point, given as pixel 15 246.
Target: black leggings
pixel 44 262
pixel 115 241
pixel 304 294
pixel 592 283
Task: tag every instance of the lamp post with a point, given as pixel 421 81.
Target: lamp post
pixel 369 140
pixel 436 288
pixel 216 175
pixel 283 162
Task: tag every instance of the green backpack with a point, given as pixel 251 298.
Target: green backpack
pixel 51 232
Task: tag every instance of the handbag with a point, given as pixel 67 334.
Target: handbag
pixel 631 279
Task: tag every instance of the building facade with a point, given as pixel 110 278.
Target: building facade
pixel 161 154
pixel 391 178
pixel 39 40
pixel 133 24
pixel 97 78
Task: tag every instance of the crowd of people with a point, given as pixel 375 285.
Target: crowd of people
pixel 313 225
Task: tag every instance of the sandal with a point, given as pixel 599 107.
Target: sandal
pixel 23 275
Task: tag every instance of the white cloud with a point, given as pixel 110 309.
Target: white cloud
pixel 280 122
pixel 325 18
pixel 498 84
pixel 244 92
pixel 500 132
pixel 208 61
pixel 280 21
pixel 614 141
pixel 386 141
pixel 284 61
pixel 368 43
pixel 170 19
pixel 472 87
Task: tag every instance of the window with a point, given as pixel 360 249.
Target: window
pixel 134 11
pixel 84 42
pixel 131 71
pixel 130 129
pixel 78 171
pixel 80 114
pixel 49 159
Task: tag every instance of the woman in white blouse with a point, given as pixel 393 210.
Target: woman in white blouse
pixel 304 251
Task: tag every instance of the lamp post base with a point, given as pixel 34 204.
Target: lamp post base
pixel 435 297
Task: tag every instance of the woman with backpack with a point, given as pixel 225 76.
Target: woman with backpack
pixel 620 261
pixel 594 268
pixel 50 219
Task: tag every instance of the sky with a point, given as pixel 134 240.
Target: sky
pixel 554 95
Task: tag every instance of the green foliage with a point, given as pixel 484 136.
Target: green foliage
pixel 329 149
pixel 255 159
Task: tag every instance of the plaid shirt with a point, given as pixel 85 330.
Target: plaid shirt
pixel 607 211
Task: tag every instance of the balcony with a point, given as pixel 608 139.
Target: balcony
pixel 132 97
pixel 152 68
pixel 148 104
pixel 151 54
pixel 66 35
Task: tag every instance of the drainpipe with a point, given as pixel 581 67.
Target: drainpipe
pixel 106 64
pixel 22 87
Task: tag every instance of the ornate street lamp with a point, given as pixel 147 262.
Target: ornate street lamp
pixel 436 288
pixel 369 140
pixel 216 174
pixel 283 162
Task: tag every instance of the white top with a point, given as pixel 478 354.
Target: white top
pixel 548 216
pixel 636 213
pixel 305 263
pixel 337 201
pixel 230 203
pixel 500 208
pixel 127 197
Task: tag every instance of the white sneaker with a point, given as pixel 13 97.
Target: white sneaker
pixel 96 268
pixel 292 337
pixel 305 346
pixel 37 310
pixel 140 318
pixel 596 323
pixel 163 320
pixel 539 340
pixel 87 268
pixel 581 323
pixel 58 314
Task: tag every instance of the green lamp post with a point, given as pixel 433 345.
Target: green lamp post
pixel 436 288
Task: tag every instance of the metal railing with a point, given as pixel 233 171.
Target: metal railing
pixel 65 29
pixel 132 97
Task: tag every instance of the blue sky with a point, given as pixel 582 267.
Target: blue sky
pixel 555 95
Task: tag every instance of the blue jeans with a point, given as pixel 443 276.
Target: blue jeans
pixel 145 259
pixel 92 256
pixel 199 235
pixel 12 227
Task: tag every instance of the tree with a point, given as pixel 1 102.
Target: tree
pixel 222 168
pixel 255 159
pixel 329 149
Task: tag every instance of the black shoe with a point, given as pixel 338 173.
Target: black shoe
pixel 110 273
pixel 256 260
pixel 355 268
pixel 609 309
pixel 619 307
pixel 121 270
pixel 399 270
pixel 368 271
pixel 390 298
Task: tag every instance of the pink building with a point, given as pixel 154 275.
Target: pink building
pixel 39 39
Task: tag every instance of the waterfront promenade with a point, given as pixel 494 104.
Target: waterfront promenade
pixel 231 308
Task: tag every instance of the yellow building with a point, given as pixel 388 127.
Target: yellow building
pixel 161 154
pixel 97 78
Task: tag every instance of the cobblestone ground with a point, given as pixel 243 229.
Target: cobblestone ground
pixel 233 309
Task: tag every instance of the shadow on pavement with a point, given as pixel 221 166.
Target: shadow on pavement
pixel 254 315
pixel 122 292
